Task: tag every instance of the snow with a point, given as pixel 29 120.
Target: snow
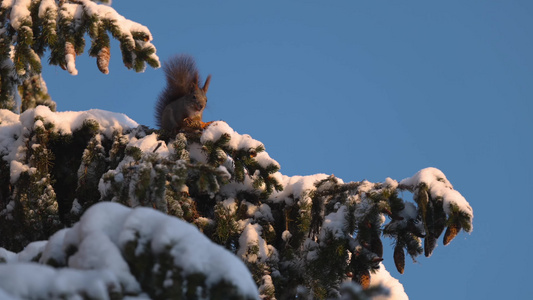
pixel 6 4
pixel 191 250
pixel 230 204
pixel 8 117
pixel 390 183
pixel 10 131
pixel 31 251
pixel 53 251
pixel 334 223
pixel 237 141
pixel 452 197
pixel 383 277
pixel 70 59
pixel 76 207
pixel 215 131
pixel 71 11
pixel 15 128
pixel 19 13
pixel 17 168
pixel 295 186
pixel 98 252
pixel 224 172
pixel 196 153
pixel 286 235
pixel 439 189
pixel 265 160
pixel 264 212
pixel 250 237
pixel 34 281
pixel 107 12
pixel 98 219
pixel 150 144
pixel 267 284
pixel 46 5
pixel 66 122
pixel 427 176
pixel 7 256
pixel 99 237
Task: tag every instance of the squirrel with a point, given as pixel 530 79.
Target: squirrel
pixel 182 102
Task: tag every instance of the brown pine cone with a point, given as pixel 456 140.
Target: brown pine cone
pixel 399 258
pixel 363 278
pixel 451 233
pixel 102 60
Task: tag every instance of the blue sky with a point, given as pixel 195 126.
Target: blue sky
pixel 364 90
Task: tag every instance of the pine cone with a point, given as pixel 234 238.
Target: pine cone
pixel 430 242
pixel 423 197
pixel 451 233
pixel 399 258
pixel 363 278
pixel 102 60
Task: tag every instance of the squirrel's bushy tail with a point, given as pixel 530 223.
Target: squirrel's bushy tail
pixel 181 74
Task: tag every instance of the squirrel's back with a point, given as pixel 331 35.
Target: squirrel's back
pixel 182 97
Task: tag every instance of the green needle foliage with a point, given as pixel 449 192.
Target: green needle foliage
pixel 298 236
pixel 29 28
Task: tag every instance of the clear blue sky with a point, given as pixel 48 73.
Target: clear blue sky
pixel 364 90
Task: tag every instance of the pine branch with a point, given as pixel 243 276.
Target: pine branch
pixel 304 236
pixel 30 27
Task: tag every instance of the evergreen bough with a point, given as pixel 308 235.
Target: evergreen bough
pixel 28 28
pixel 299 236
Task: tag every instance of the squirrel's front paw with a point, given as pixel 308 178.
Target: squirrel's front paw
pixel 192 124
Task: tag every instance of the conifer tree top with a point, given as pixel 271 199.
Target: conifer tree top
pixel 299 236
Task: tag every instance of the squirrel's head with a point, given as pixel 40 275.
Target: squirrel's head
pixel 198 98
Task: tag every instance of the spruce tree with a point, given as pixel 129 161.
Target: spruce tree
pixel 299 237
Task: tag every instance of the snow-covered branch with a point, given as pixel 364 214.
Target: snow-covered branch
pixel 114 251
pixel 299 236
pixel 30 27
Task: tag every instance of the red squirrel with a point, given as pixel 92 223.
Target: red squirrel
pixel 182 102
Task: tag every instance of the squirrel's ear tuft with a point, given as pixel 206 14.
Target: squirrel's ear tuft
pixel 194 83
pixel 206 84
